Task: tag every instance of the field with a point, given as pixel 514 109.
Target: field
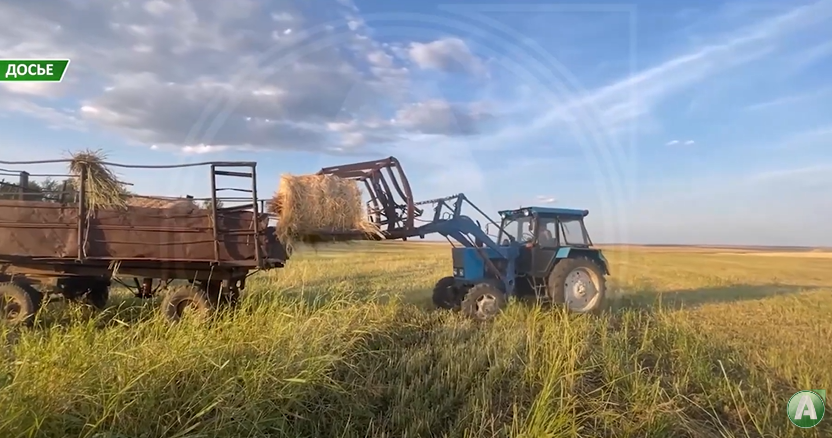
pixel 698 343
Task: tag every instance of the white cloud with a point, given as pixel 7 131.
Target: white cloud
pixel 211 72
pixel 678 142
pixel 31 88
pixel 544 199
pixel 791 99
pixel 440 117
pixel 199 149
pixel 282 17
pixel 447 54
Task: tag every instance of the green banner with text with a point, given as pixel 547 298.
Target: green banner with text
pixel 33 70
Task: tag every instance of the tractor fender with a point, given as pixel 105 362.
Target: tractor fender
pixel 572 253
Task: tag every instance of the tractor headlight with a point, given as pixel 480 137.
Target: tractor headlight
pixel 459 272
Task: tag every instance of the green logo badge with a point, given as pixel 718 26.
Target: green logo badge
pixel 806 408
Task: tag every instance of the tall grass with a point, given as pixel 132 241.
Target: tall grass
pixel 339 344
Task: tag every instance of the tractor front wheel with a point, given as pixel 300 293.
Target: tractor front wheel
pixel 579 283
pixel 446 295
pixel 483 302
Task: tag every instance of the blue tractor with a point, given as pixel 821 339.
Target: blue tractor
pixel 539 253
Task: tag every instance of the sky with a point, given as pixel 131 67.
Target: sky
pixel 703 122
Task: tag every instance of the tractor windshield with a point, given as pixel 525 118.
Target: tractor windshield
pixel 572 232
pixel 516 230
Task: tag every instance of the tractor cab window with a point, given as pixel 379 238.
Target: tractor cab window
pixel 572 232
pixel 517 230
pixel 547 237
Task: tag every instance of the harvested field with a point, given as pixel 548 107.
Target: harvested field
pixel 804 254
pixel 340 344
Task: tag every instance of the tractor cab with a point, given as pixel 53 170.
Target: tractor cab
pixel 544 237
pixel 544 227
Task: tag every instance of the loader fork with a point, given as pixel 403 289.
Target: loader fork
pixel 391 206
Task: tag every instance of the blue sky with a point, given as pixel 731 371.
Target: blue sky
pixel 672 122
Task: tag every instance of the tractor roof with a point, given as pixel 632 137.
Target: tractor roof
pixel 545 211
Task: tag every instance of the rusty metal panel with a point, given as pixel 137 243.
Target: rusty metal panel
pixel 49 230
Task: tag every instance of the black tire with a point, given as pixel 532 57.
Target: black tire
pixel 19 303
pixel 557 290
pixel 219 296
pixel 89 291
pixel 184 298
pixel 97 294
pixel 446 295
pixel 233 297
pixel 228 299
pixel 474 307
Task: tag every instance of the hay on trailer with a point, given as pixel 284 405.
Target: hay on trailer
pixel 311 208
pixel 102 188
pixel 152 202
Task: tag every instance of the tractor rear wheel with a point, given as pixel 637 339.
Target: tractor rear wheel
pixel 186 299
pixel 580 284
pixel 483 302
pixel 446 295
pixel 19 303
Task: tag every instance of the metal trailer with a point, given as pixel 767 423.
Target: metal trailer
pixel 54 246
pixel 538 252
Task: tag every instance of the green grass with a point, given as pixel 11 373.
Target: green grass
pixel 341 344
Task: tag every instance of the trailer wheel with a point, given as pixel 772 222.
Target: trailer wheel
pixel 446 295
pixel 98 295
pixel 186 299
pixel 220 296
pixel 579 283
pixel 90 291
pixel 483 302
pixel 20 303
pixel 232 297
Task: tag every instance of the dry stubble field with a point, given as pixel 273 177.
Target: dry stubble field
pixel 341 344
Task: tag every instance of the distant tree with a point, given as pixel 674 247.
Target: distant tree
pixel 51 189
pixel 48 190
pixel 8 190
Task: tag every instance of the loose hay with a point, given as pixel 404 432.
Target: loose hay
pixel 105 190
pixel 310 208
pixel 151 202
pixel 102 188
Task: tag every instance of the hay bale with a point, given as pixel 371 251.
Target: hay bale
pixel 102 187
pixel 310 206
